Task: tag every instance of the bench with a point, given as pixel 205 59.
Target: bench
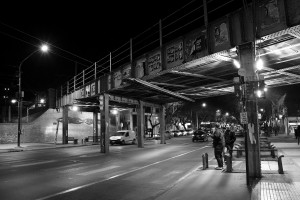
pixel 272 150
pixel 75 141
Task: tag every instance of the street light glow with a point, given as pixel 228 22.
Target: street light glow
pixel 44 48
pixel 203 104
pixel 14 100
pixel 114 111
pixel 259 64
pixel 75 108
pixel 236 63
pixel 259 93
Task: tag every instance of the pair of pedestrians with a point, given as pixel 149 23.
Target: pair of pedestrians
pixel 223 143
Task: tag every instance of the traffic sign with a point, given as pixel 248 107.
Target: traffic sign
pixel 242 72
pixel 244 118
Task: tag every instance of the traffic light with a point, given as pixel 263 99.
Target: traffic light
pixel 101 102
pixel 261 89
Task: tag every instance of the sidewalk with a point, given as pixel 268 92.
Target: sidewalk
pixel 13 147
pixel 214 184
pixel 4 148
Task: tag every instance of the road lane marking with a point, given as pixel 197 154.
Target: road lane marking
pixel 97 170
pixel 36 163
pixel 116 176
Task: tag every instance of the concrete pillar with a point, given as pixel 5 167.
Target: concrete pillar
pixel 130 120
pixel 95 126
pixel 65 125
pixel 104 135
pixel 252 143
pixel 140 124
pixel 162 123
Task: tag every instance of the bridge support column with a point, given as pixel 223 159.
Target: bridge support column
pixel 65 125
pixel 140 124
pixel 162 128
pixel 104 136
pixel 130 120
pixel 252 144
pixel 95 126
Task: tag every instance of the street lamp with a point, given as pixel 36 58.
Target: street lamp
pixel 43 48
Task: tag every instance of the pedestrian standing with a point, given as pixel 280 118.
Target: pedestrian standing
pixel 218 144
pixel 230 138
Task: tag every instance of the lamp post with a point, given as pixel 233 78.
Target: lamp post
pixel 43 48
pixel 197 122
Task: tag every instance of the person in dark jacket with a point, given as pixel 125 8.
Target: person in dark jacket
pixel 218 144
pixel 230 138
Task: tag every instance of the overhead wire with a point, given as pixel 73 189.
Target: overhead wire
pixel 44 42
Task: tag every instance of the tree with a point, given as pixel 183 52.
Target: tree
pixel 178 113
pixel 153 122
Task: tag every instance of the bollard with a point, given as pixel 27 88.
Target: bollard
pixel 228 163
pixel 203 161
pixel 280 168
pixel 206 159
pixel 272 152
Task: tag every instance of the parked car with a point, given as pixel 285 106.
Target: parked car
pixel 167 135
pixel 183 132
pixel 176 133
pixel 123 137
pixel 200 135
pixel 190 131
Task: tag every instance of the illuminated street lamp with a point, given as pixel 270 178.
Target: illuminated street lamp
pixel 43 48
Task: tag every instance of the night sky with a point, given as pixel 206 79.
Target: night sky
pixel 81 32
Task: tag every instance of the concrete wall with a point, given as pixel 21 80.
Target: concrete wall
pixel 43 129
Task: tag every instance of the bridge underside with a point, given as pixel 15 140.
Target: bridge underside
pixel 213 75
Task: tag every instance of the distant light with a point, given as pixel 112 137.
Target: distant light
pixel 203 104
pixel 114 111
pixel 259 93
pixel 42 101
pixel 227 114
pixel 75 108
pixel 13 100
pixel 259 64
pixel 236 63
pixel 44 48
pixel 262 110
pixel 265 89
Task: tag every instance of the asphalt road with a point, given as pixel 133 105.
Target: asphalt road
pixel 127 172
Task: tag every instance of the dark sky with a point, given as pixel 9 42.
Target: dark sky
pixel 81 31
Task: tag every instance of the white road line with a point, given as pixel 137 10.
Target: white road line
pixel 36 163
pixel 97 170
pixel 116 176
